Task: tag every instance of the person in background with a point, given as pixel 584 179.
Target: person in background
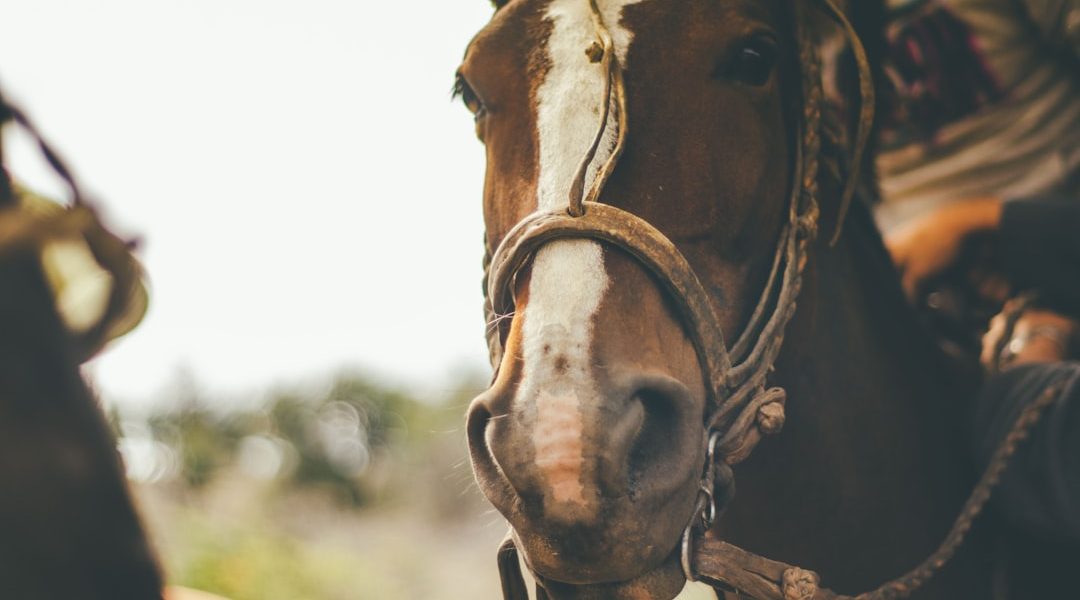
pixel 978 137
pixel 1039 242
pixel 982 101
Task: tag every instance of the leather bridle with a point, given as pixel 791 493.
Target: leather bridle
pixel 740 409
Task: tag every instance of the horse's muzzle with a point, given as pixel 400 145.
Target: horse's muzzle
pixel 598 487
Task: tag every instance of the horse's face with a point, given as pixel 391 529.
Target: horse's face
pixel 591 439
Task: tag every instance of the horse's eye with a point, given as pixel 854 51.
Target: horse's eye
pixel 463 90
pixel 752 63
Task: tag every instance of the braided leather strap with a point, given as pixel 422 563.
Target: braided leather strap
pixel 731 568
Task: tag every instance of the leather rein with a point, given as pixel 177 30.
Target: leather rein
pixel 741 410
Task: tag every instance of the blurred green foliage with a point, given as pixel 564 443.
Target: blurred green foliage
pixel 318 492
pixel 350 438
pixel 351 489
pixel 255 561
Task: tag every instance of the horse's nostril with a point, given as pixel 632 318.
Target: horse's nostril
pixel 656 439
pixel 476 423
pixel 476 426
pixel 635 440
pixel 478 430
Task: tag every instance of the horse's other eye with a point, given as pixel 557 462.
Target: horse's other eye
pixel 463 90
pixel 752 63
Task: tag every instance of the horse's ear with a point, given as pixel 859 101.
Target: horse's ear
pixel 500 3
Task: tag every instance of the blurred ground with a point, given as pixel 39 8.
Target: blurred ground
pixel 244 543
pixel 346 490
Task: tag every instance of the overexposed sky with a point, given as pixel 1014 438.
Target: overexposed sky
pixel 308 195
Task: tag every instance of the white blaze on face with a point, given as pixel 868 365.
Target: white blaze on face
pixel 568 277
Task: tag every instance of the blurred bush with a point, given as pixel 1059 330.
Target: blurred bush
pixel 349 489
pixel 355 439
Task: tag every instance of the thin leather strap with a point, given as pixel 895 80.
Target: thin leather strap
pixel 867 104
pixel 513 582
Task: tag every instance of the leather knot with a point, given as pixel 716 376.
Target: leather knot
pixel 799 584
pixel 595 52
pixel 770 417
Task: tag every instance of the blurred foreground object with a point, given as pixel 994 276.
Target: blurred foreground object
pixel 94 278
pixel 69 526
pixel 82 288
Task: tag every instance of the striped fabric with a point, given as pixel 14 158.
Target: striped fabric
pixel 989 103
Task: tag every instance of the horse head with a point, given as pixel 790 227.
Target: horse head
pixel 644 193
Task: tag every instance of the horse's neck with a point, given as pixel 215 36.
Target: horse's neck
pixel 868 473
pixel 855 323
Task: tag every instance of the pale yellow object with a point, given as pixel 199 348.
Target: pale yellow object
pixel 695 590
pixel 179 593
pixel 81 287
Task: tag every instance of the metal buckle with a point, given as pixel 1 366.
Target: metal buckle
pixel 710 454
pixel 708 512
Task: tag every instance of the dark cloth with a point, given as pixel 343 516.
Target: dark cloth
pixel 1040 491
pixel 1040 246
pixel 1037 505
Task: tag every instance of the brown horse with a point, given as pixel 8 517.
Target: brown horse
pixel 68 528
pixel 592 437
